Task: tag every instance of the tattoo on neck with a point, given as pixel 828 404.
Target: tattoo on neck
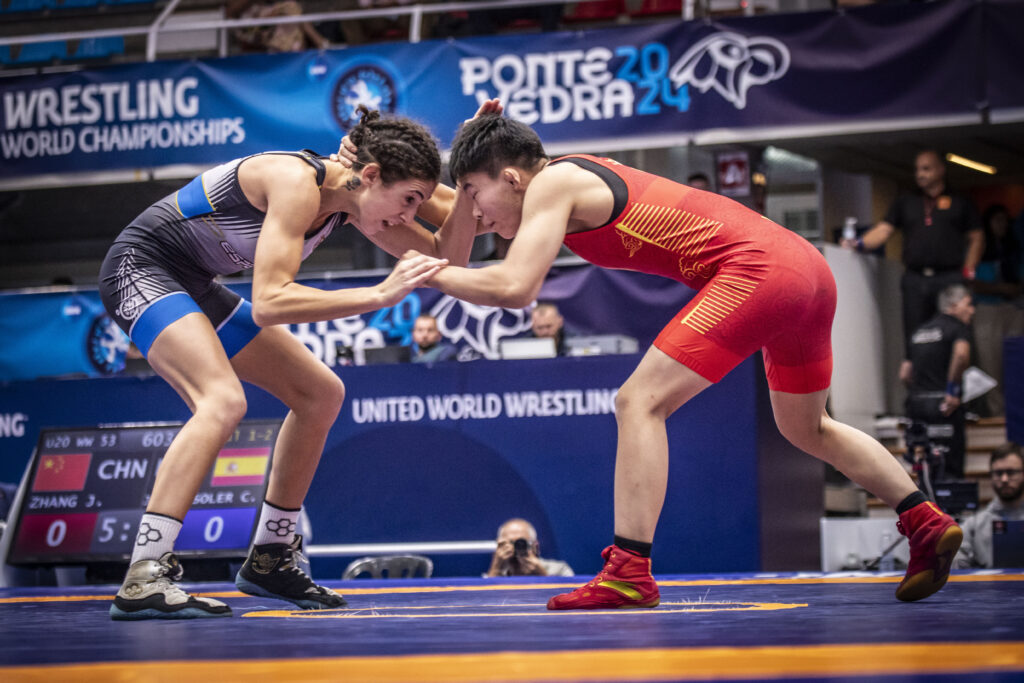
pixel 352 183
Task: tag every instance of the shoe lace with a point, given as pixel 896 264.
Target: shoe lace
pixel 293 556
pixel 166 583
pixel 600 575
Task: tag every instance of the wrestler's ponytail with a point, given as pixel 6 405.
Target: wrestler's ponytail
pixel 401 147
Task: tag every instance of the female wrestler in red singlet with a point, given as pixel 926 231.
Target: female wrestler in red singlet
pixel 759 286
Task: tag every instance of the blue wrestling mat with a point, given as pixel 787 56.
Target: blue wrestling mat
pixel 810 627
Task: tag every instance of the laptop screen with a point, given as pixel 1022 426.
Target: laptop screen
pixel 1007 543
pixel 515 348
pixel 386 355
pixel 956 497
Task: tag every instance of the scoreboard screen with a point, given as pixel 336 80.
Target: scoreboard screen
pixel 88 489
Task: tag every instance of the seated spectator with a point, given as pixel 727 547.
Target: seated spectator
pixel 274 37
pixel 518 553
pixel 999 301
pixel 1006 467
pixel 428 344
pixel 547 323
pixel 699 181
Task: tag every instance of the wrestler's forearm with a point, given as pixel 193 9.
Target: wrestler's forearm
pixel 489 286
pixel 454 239
pixel 295 303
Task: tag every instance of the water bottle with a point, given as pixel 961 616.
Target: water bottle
pixel 886 563
pixel 850 228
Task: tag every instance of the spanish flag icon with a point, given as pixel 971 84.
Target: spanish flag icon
pixel 65 472
pixel 240 467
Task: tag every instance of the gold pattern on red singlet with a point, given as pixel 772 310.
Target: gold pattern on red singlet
pixel 685 233
pixel 721 298
pixel 631 243
pixel 694 270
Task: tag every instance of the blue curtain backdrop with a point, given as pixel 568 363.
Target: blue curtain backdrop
pixel 578 89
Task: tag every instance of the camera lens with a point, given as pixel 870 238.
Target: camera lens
pixel 521 546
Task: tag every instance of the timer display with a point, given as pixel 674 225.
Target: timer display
pixel 88 489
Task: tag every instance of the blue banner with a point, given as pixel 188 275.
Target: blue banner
pixel 80 339
pixel 58 333
pixel 579 89
pixel 1004 51
pixel 448 452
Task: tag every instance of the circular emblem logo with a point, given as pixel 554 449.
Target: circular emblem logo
pixel 367 84
pixel 106 345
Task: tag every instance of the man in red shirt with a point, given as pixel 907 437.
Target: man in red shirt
pixel 759 285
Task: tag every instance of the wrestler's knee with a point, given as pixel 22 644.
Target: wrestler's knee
pixel 224 403
pixel 320 397
pixel 636 401
pixel 332 394
pixel 805 434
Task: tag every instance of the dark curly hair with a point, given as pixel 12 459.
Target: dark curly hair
pixel 403 148
pixel 1007 449
pixel 491 142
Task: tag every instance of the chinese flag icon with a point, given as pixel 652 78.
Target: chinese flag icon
pixel 62 472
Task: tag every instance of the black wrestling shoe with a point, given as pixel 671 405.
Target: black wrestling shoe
pixel 149 592
pixel 272 571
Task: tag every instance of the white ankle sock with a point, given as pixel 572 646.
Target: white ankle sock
pixel 277 525
pixel 155 537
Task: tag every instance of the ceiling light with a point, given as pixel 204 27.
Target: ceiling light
pixel 976 165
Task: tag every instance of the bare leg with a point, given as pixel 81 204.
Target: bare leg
pixel 934 536
pixel 803 421
pixel 189 356
pixel 655 390
pixel 314 395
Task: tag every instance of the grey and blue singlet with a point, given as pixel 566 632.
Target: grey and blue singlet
pixel 164 265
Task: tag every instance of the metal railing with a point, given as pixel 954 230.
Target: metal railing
pixel 160 25
pixel 433 548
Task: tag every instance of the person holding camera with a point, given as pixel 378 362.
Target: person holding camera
pixel 518 553
pixel 940 351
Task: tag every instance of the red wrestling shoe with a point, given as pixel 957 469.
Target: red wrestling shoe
pixel 934 540
pixel 625 581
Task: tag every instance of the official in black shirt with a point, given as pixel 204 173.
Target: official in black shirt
pixel 942 241
pixel 940 351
